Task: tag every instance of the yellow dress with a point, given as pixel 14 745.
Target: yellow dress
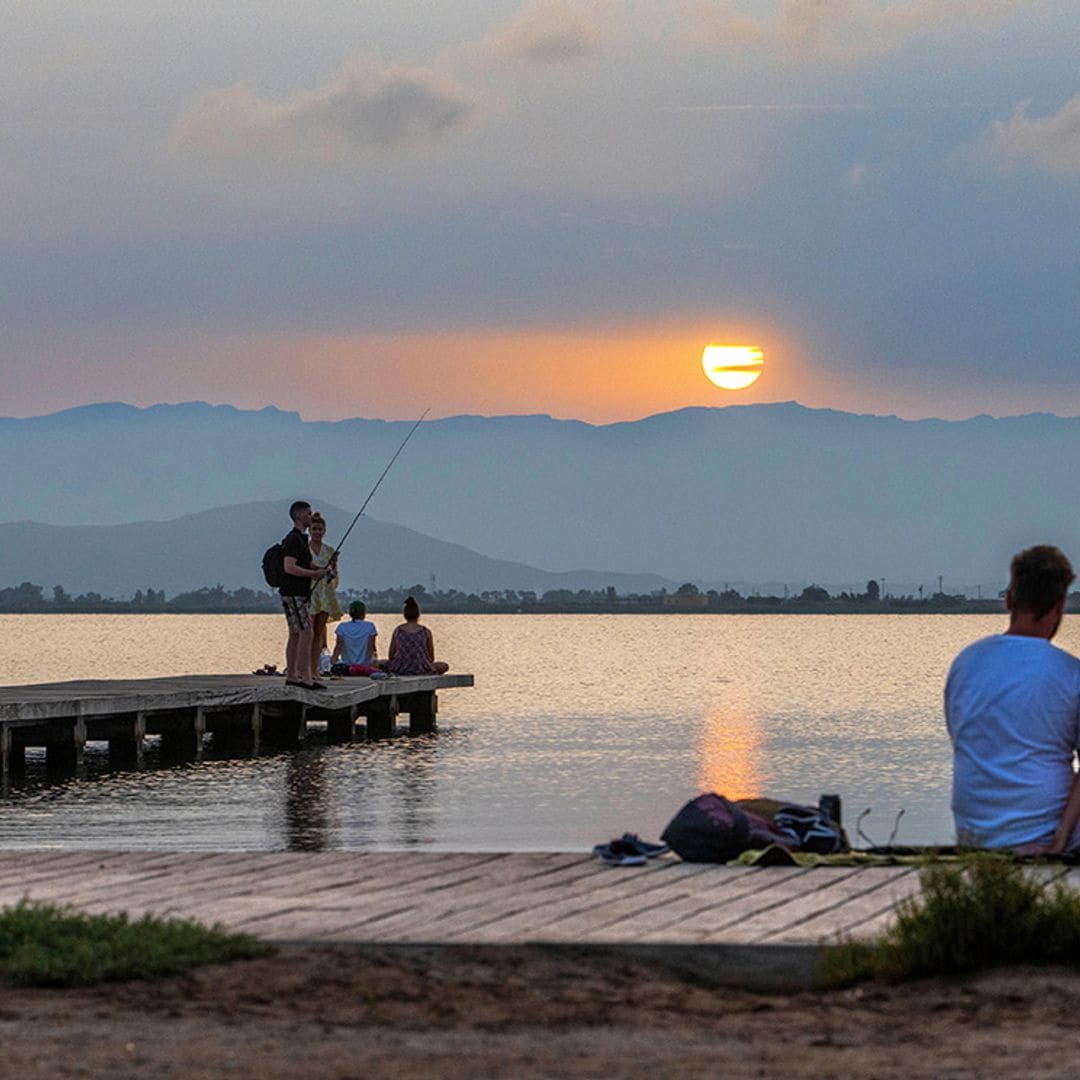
pixel 324 591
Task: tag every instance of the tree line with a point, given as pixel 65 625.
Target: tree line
pixel 216 599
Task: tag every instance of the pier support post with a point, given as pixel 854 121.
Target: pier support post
pixel 65 744
pixel 284 724
pixel 235 730
pixel 421 708
pixel 381 712
pixel 126 742
pixel 182 739
pixel 256 729
pixel 340 723
pixel 14 754
pixel 5 752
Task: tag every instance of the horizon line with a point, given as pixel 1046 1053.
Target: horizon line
pixel 105 404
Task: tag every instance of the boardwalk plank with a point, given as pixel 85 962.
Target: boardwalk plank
pixel 70 878
pixel 556 912
pixel 28 866
pixel 754 889
pixel 478 897
pixel 861 919
pixel 288 881
pixel 382 914
pixel 468 906
pixel 822 912
pixel 776 886
pixel 207 882
pixel 657 915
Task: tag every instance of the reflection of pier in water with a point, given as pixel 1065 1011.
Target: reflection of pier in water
pixel 306 810
pixel 323 800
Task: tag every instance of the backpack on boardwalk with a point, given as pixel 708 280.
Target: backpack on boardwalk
pixel 811 829
pixel 273 566
pixel 713 829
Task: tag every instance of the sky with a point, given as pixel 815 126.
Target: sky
pixel 360 208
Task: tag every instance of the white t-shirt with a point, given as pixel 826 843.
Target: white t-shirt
pixel 1012 707
pixel 356 635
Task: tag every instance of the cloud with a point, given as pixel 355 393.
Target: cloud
pixel 389 109
pixel 835 31
pixel 1050 143
pixel 710 25
pixel 546 34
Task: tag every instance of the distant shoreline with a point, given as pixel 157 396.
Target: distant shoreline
pixel 29 598
pixel 974 607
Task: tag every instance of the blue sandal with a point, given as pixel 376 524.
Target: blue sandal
pixel 618 854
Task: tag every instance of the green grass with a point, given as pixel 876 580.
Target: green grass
pixel 985 911
pixel 45 945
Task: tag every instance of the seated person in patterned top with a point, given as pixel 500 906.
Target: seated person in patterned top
pixel 412 648
pixel 355 639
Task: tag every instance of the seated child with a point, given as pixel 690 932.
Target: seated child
pixel 355 640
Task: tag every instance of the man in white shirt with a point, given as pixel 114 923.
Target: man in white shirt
pixel 355 639
pixel 1012 707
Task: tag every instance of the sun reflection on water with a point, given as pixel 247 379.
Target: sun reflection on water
pixel 732 753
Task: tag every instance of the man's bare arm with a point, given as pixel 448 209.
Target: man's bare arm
pixel 294 569
pixel 1069 818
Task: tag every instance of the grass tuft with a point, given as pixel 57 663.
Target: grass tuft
pixel 45 945
pixel 986 911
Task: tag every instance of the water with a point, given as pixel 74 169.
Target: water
pixel 580 727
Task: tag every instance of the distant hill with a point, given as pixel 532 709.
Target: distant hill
pixel 225 546
pixel 758 493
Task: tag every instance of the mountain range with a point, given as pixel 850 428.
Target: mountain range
pixel 226 545
pixel 773 492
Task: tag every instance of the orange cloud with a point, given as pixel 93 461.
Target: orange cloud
pixel 599 374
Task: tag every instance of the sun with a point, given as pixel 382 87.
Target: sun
pixel 732 367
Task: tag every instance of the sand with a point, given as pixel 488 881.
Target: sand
pixel 335 1012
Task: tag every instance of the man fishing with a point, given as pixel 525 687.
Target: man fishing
pixel 296 597
pixel 298 575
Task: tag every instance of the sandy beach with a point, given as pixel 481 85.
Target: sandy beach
pixel 336 1012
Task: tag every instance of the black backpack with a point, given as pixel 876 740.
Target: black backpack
pixel 273 566
pixel 713 829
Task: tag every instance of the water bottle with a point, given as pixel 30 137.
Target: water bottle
pixel 829 805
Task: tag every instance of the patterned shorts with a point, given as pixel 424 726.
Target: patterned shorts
pixel 297 612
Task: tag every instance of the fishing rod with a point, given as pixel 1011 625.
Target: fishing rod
pixel 382 477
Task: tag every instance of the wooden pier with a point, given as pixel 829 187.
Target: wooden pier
pixel 759 926
pixel 242 713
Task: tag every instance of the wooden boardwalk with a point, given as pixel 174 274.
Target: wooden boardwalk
pixel 752 925
pixel 243 711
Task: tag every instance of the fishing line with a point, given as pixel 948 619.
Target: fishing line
pixel 389 464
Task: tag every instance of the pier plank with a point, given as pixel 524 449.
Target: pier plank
pixel 36 702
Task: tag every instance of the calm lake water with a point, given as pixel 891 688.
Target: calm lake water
pixel 579 728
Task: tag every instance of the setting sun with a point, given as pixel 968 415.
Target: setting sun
pixel 732 367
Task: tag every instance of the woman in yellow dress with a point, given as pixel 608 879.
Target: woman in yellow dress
pixel 324 601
